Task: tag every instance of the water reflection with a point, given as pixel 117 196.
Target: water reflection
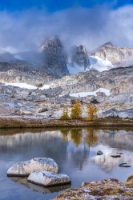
pixel 65 133
pixel 37 188
pixel 74 150
pixel 76 136
pixel 91 137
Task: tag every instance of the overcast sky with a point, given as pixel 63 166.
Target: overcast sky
pixel 24 25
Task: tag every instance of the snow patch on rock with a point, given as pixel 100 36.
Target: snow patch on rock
pixel 27 86
pixel 84 94
pixel 22 85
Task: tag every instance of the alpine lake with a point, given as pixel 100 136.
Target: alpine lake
pixel 75 152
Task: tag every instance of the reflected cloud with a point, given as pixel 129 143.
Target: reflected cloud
pixel 108 163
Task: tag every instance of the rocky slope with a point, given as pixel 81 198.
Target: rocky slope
pixel 100 190
pixel 48 102
pixel 118 56
pixel 118 81
pixel 111 91
pixel 24 72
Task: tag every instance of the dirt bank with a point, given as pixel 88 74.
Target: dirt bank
pixel 39 122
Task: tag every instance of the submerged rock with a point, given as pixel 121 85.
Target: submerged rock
pixel 116 156
pixel 124 165
pixel 99 153
pixel 24 168
pixel 47 179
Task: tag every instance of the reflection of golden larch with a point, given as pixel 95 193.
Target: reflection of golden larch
pixel 65 133
pixel 91 138
pixel 76 136
pixel 91 112
pixel 76 111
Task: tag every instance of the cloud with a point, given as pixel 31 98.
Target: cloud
pixel 26 30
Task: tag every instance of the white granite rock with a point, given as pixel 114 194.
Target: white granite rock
pixel 48 179
pixel 24 168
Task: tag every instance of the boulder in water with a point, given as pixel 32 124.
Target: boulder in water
pixel 48 179
pixel 24 168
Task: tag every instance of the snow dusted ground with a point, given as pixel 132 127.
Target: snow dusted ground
pixel 84 94
pixel 95 63
pixel 27 86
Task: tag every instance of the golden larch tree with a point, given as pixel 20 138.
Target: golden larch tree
pixel 76 111
pixel 65 115
pixel 91 112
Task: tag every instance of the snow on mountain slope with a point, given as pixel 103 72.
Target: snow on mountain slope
pixel 95 63
pixel 75 69
pixel 84 94
pixel 100 64
pixel 18 57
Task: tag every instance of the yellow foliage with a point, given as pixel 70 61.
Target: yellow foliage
pixel 65 115
pixel 76 136
pixel 76 111
pixel 91 112
pixel 12 95
pixel 91 138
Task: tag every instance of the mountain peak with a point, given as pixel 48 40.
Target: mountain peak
pixel 108 44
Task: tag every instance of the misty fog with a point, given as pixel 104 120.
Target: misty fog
pixel 26 30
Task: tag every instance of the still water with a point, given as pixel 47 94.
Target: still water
pixel 74 150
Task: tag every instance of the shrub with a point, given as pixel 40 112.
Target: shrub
pixel 12 95
pixel 91 112
pixel 76 111
pixel 2 90
pixel 65 115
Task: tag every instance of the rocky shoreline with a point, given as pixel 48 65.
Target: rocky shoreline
pixel 110 189
pixel 40 122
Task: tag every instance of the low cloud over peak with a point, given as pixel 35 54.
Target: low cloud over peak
pixel 26 30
